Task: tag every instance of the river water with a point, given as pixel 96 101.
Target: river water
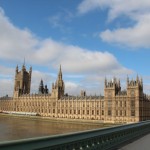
pixel 14 128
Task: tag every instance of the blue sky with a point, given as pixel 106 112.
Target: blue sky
pixel 91 39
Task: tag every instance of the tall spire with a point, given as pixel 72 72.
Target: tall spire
pixel 60 69
pixel 137 78
pixel 23 66
pixel 119 82
pixel 141 81
pixel 17 68
pixel 24 61
pixel 127 80
pixel 60 74
pixel 105 81
pixel 30 69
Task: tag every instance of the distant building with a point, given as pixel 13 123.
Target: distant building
pixel 22 81
pixel 116 106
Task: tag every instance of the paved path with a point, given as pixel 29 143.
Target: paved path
pixel 140 144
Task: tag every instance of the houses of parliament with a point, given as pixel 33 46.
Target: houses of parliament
pixel 116 106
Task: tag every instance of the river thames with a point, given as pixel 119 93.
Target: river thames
pixel 14 128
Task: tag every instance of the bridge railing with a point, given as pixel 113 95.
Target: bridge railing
pixel 98 139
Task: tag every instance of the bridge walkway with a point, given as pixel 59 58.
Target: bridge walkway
pixel 142 143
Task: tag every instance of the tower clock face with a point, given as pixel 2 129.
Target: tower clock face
pixel 132 93
pixel 109 94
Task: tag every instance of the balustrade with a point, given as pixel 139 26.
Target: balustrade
pixel 102 139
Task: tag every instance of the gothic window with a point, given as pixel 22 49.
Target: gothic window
pixel 109 103
pixel 102 104
pixel 109 112
pixel 92 104
pixel 120 112
pixel 116 112
pixel 92 112
pixel 116 103
pixel 97 104
pixel 83 111
pixel 132 103
pixel 132 113
pixel 102 112
pixel 78 112
pixel 125 104
pixel 125 113
pixel 97 112
pixel 88 112
pixel 120 103
pixel 54 104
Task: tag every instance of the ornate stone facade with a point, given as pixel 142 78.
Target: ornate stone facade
pixel 22 81
pixel 116 106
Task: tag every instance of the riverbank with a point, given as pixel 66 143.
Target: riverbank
pixel 77 121
pixel 14 127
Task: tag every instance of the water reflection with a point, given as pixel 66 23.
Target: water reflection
pixel 12 128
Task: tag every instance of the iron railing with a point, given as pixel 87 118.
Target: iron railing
pixel 98 139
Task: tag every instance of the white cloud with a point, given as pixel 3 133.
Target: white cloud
pixel 56 20
pixel 19 43
pixel 6 71
pixel 15 44
pixel 7 87
pixel 134 36
pixel 116 7
pixel 73 88
pixel 89 5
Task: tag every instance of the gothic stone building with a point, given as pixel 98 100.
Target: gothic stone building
pixel 116 106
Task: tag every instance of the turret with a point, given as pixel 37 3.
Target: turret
pixel 16 69
pixel 30 71
pixel 141 81
pixel 46 89
pixel 105 82
pixel 59 87
pixel 22 81
pixel 53 86
pixel 127 80
pixel 60 74
pixel 83 93
pixel 137 79
pixel 23 67
pixel 135 86
pixel 112 86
